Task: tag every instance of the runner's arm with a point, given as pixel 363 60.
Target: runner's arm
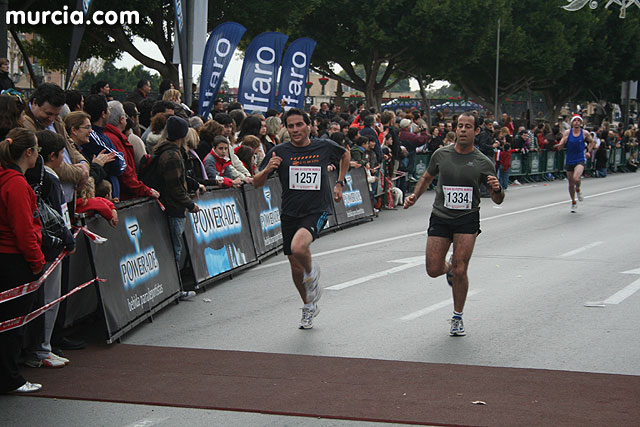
pixel 497 193
pixel 590 144
pixel 344 167
pixel 565 138
pixel 421 187
pixel 261 177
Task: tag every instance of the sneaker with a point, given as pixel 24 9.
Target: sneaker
pixel 28 388
pixel 580 197
pixel 574 207
pixel 450 272
pixel 49 362
pixel 307 316
pixel 186 295
pixel 312 285
pixel 457 327
pixel 58 357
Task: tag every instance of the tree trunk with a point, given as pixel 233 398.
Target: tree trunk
pixel 425 101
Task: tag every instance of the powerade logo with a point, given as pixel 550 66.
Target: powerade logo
pixel 269 219
pixel 351 197
pixel 141 266
pixel 216 219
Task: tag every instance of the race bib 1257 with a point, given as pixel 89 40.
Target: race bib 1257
pixel 304 177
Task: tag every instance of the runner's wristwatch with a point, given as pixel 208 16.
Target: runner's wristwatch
pixel 340 182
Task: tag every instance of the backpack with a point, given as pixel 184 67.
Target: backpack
pixel 149 171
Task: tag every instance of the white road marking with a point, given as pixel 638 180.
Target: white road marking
pixel 408 263
pixel 624 293
pixel 390 239
pixel 434 307
pixel 582 249
pixel 348 248
pixel 145 422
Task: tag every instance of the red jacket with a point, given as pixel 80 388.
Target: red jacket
pixel 20 226
pixel 130 186
pixel 99 204
pixel 503 158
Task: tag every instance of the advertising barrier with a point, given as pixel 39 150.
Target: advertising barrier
pixel 355 203
pixel 263 213
pixel 219 236
pixel 138 262
pixel 77 268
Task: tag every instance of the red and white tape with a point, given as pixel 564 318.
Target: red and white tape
pixel 23 320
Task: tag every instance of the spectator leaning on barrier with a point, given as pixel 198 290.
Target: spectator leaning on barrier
pixel 130 186
pixel 218 164
pixel 175 186
pixel 41 113
pixel 98 108
pixel 21 259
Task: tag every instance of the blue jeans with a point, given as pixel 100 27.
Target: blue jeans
pixel 176 228
pixel 503 177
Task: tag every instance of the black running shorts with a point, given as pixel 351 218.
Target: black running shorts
pixel 466 224
pixel 571 168
pixel 290 225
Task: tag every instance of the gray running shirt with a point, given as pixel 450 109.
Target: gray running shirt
pixel 459 177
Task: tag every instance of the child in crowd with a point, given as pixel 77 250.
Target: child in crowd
pixel 88 203
pixel 217 163
pixel 503 163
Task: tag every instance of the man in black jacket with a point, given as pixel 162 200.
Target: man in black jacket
pixel 485 140
pixel 175 186
pixel 5 80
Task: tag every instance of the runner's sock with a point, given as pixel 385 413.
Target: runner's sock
pixel 310 305
pixel 457 315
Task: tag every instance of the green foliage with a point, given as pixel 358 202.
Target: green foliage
pixel 120 79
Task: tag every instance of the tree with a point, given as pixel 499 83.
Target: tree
pixel 120 79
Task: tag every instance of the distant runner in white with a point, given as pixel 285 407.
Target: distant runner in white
pixel 455 217
pixel 306 200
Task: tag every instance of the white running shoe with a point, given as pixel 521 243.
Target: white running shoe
pixel 307 316
pixel 312 285
pixel 457 327
pixel 580 198
pixel 574 207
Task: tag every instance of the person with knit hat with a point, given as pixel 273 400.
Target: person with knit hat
pixel 577 141
pixel 175 186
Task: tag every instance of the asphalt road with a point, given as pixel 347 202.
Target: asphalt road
pixel 548 289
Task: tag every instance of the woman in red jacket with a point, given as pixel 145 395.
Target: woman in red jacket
pixel 21 257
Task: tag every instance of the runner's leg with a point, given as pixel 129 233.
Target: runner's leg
pixel 572 185
pixel 577 176
pixel 300 259
pixel 436 253
pixel 462 249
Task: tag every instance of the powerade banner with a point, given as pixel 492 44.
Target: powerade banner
pixel 76 38
pixel 138 262
pixel 219 236
pixel 257 88
pixel 293 77
pixel 76 270
pixel 220 47
pixel 356 203
pixel 264 215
